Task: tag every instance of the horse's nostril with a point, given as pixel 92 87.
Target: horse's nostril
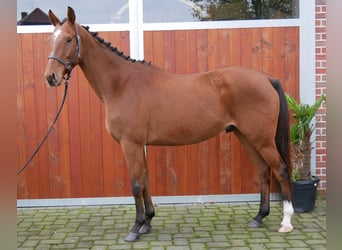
pixel 51 79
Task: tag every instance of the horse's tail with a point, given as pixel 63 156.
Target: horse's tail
pixel 282 138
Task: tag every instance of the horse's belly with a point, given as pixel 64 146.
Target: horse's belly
pixel 184 134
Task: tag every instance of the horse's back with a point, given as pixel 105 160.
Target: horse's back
pixel 187 109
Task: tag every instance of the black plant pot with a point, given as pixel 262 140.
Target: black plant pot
pixel 304 195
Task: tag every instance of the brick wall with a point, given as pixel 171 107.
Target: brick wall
pixel 320 144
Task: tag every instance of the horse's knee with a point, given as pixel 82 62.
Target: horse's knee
pixel 284 171
pixel 136 189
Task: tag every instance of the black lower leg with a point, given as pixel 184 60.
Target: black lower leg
pixel 264 210
pixel 257 220
pixel 134 233
pixel 146 227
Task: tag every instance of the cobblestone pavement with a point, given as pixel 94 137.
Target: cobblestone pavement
pixel 198 226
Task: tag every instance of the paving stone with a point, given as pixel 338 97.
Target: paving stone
pixel 198 226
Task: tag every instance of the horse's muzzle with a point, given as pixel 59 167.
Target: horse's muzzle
pixel 52 80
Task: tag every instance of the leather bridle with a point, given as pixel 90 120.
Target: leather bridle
pixel 69 63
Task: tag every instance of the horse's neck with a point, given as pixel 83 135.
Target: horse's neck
pixel 100 66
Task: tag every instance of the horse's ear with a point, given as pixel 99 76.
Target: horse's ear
pixel 53 19
pixel 71 15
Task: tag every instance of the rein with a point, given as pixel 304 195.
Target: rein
pixel 68 64
pixel 66 83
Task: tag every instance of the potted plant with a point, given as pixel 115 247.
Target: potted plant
pixel 304 184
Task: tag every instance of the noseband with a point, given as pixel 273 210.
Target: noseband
pixel 68 64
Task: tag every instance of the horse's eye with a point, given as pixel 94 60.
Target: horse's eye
pixel 69 39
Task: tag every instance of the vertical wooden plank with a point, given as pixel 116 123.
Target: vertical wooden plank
pixel 236 166
pixel 203 168
pixel 267 51
pixel 109 168
pixel 172 180
pixel 39 61
pixel 124 42
pixel 235 57
pixel 256 48
pixel 235 47
pixel 214 174
pixel 191 59
pixel 224 47
pixel 250 179
pixel 203 147
pixel 279 54
pixel 181 151
pixel 291 61
pixel 165 41
pixel 213 63
pixel 96 143
pixel 159 44
pixel 85 130
pixel 32 173
pixel 213 49
pixel 224 162
pixel 202 50
pixel 192 157
pixel 245 48
pixel 170 55
pixel 21 135
pixel 148 46
pixel 75 135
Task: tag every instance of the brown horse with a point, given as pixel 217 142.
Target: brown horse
pixel 145 105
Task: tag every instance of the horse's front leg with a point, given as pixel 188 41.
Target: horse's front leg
pixel 135 159
pixel 149 209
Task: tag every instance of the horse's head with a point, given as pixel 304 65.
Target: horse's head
pixel 65 52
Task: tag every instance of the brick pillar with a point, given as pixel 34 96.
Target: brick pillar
pixel 320 143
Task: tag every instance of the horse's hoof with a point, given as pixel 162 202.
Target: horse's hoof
pixel 254 224
pixel 285 229
pixel 144 229
pixel 132 237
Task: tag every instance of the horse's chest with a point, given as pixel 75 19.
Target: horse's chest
pixel 114 125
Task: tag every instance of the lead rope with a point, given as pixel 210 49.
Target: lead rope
pixel 66 83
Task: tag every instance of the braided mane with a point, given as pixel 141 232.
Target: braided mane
pixel 114 49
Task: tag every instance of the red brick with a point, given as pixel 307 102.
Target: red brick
pixel 321 30
pixel 320 2
pixel 321 57
pixel 320 16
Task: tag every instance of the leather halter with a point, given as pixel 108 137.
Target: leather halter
pixel 68 63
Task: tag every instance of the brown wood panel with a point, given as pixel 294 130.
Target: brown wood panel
pixel 80 159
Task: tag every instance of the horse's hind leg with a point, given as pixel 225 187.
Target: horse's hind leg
pixel 279 169
pixel 264 177
pixel 264 208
